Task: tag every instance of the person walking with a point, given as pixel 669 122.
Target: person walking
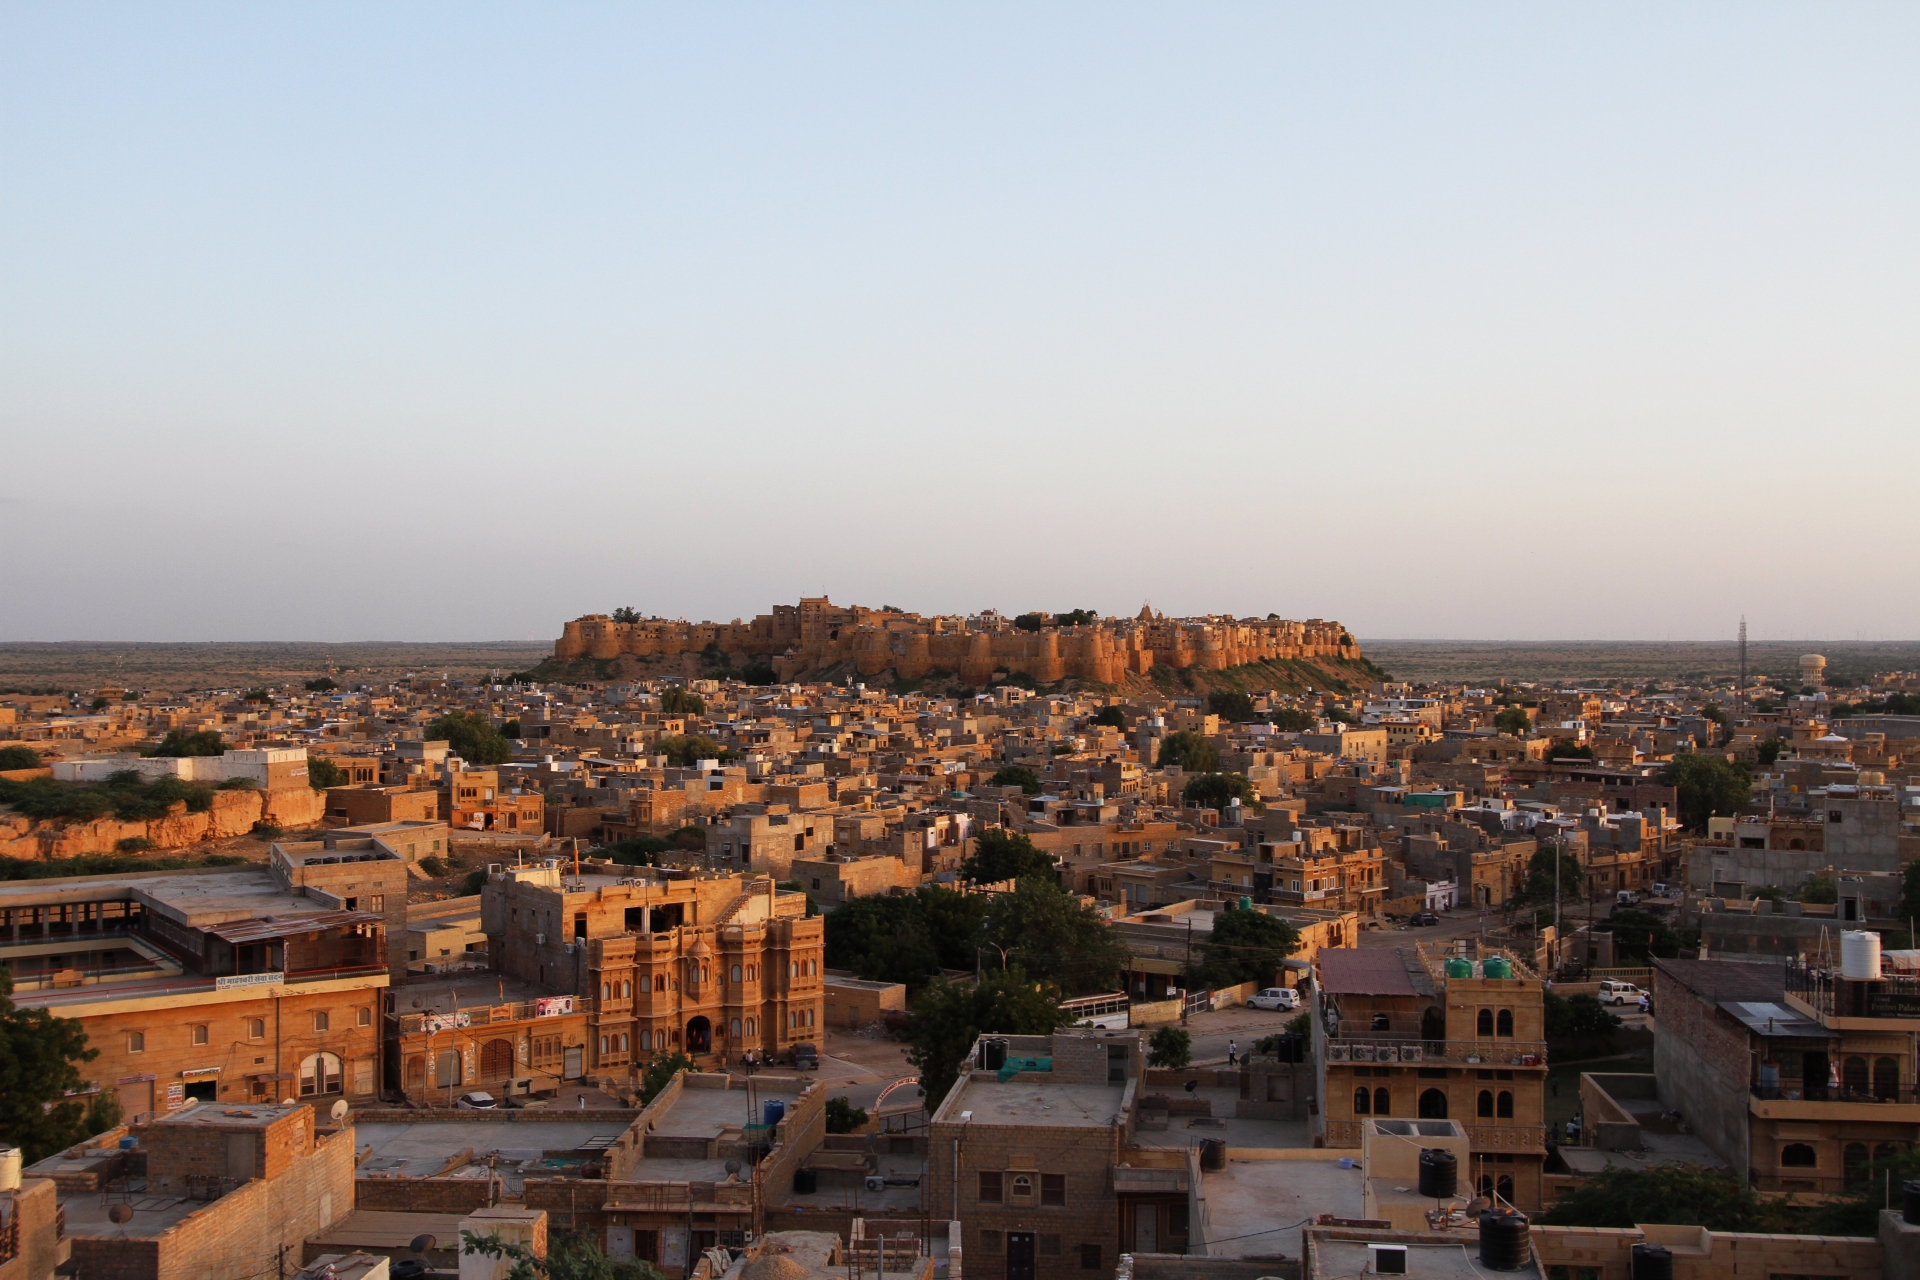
pixel 1233 1053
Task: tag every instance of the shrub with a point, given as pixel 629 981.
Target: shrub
pixel 679 702
pixel 132 844
pixel 266 830
pixel 1170 1048
pixel 1292 720
pixel 1017 775
pixel 322 774
pixel 19 758
pixel 476 881
pixel 1193 753
pixel 201 742
pixel 472 737
pixel 1111 717
pixel 433 866
pixel 235 784
pixel 843 1116
pixel 325 684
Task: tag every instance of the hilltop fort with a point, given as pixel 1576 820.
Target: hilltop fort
pixel 801 641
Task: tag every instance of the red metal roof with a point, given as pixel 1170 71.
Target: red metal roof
pixel 265 930
pixel 1349 971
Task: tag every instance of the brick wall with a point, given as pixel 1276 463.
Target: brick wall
pixel 421 1195
pixel 1700 1066
pixel 1699 1254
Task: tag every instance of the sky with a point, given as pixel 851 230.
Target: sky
pixel 453 322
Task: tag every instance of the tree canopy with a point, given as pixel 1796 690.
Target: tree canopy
pixel 1246 946
pixel 1568 749
pixel 1640 934
pixel 1111 717
pixel 19 758
pixel 472 737
pixel 1076 618
pixel 1515 721
pixel 686 751
pixel 1539 885
pixel 1708 787
pixel 1006 855
pixel 1170 1048
pixel 323 773
pixel 1017 775
pixel 1192 752
pixel 1231 704
pixel 322 684
pixel 1055 938
pixel 198 742
pixel 660 1073
pixel 679 702
pixel 1683 1195
pixel 949 1016
pixel 1292 720
pixel 905 938
pixel 626 613
pixel 40 1057
pixel 1215 790
pixel 1576 1027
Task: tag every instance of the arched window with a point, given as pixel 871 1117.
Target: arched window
pixel 1798 1155
pixel 1503 1105
pixel 1853 1163
pixel 603 1045
pixel 1503 1187
pixel 1484 1023
pixel 1886 1079
pixel 793 969
pixel 646 1040
pixel 1433 1105
pixel 1362 1101
pixel 626 990
pixel 1486 1185
pixel 646 984
pixel 735 1032
pixel 319 1074
pixel 1382 1103
pixel 1505 1023
pixel 752 973
pixel 1022 1186
pixel 623 1042
pixel 1853 1075
pixel 606 991
pixel 1485 1108
pixel 736 973
pixel 751 1027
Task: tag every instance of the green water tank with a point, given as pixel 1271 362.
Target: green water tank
pixel 1497 967
pixel 1458 968
pixel 1246 903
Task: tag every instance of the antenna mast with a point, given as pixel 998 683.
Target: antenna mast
pixel 1740 694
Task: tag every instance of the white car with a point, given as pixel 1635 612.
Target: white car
pixel 475 1102
pixel 1274 998
pixel 1619 993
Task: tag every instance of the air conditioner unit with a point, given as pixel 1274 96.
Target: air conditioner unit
pixel 876 1183
pixel 539 939
pixel 1388 1259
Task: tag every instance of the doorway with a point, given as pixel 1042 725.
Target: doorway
pixel 1019 1255
pixel 699 1035
pixel 576 1061
pixel 1146 1228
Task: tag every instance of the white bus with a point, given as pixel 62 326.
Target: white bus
pixel 1107 1011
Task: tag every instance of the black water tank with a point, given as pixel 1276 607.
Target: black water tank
pixel 805 1182
pixel 1290 1048
pixel 1213 1153
pixel 993 1054
pixel 1652 1262
pixel 1439 1173
pixel 1503 1242
pixel 409 1269
pixel 1910 1202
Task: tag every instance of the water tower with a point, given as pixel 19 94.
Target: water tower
pixel 1813 669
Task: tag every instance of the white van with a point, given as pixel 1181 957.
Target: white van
pixel 1618 993
pixel 1275 998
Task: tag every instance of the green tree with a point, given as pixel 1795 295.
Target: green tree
pixel 1640 934
pixel 323 773
pixel 759 672
pixel 199 742
pixel 1292 720
pixel 1568 749
pixel 1076 618
pixel 19 758
pixel 881 939
pixel 40 1057
pixel 679 702
pixel 100 703
pixel 1767 752
pixel 1111 717
pixel 323 684
pixel 1340 715
pixel 1214 790
pixel 1820 889
pixel 1539 884
pixel 1029 622
pixel 510 730
pixel 1006 855
pixel 1246 946
pixel 1192 752
pixel 843 1116
pixel 685 752
pixel 660 1073
pixel 949 1016
pixel 1056 938
pixel 1231 704
pixel 571 1255
pixel 1856 1212
pixel 1577 1027
pixel 1017 775
pixel 1684 1195
pixel 626 613
pixel 1708 787
pixel 1170 1048
pixel 1515 721
pixel 472 737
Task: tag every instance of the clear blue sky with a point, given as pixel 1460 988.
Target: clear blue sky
pixel 453 322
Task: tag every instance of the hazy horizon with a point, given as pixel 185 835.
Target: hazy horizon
pixel 448 322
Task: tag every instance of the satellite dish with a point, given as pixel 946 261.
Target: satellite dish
pixel 421 1244
pixel 733 1166
pixel 120 1213
pixel 338 1111
pixel 286 1102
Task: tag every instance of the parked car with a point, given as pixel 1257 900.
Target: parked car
pixel 1425 920
pixel 475 1102
pixel 1274 998
pixel 1619 993
pixel 806 1056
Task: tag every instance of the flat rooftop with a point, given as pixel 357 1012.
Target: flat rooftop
pixel 708 1113
pixel 1256 1208
pixel 1043 1104
pixel 198 898
pixel 1187 1131
pixel 1432 1261
pixel 422 1149
pixel 209 1115
pixel 449 994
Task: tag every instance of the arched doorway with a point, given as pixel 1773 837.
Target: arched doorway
pixel 1433 1024
pixel 1433 1105
pixel 448 1072
pixel 699 1035
pixel 496 1059
pixel 319 1074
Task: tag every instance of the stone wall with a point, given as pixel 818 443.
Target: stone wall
pixel 232 813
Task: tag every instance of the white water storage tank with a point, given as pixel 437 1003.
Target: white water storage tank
pixel 9 1168
pixel 1860 955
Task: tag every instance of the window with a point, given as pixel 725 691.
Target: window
pixel 1798 1155
pixel 321 1022
pixel 1022 1187
pixel 989 1188
pixel 752 1026
pixel 256 1028
pixel 1503 1105
pixel 603 1045
pixel 1853 1163
pixel 646 984
pixel 1433 1105
pixel 1886 1079
pixel 751 973
pixel 1484 1023
pixel 1089 1257
pixel 626 990
pixel 136 1042
pixel 1382 1102
pixel 320 1074
pixel 1362 1101
pixel 737 971
pixel 606 991
pixel 200 1033
pixel 646 1039
pixel 1485 1109
pixel 1505 1023
pixel 1053 1189
pixel 363 1016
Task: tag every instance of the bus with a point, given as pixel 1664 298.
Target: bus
pixel 1107 1011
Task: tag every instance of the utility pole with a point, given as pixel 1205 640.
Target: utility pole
pixel 1740 693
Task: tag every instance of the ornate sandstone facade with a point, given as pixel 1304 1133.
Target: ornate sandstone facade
pixel 804 639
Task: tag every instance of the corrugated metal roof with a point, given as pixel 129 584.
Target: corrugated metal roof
pixel 1767 1019
pixel 240 932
